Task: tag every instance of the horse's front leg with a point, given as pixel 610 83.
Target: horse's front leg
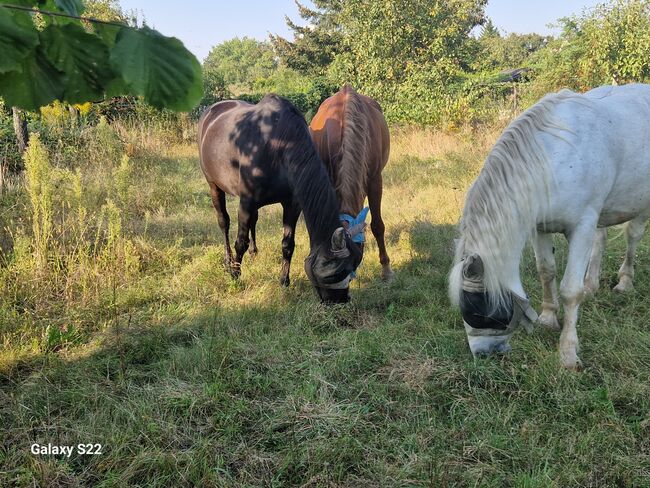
pixel 290 214
pixel 545 258
pixel 592 278
pixel 219 202
pixel 247 215
pixel 634 231
pixel 572 289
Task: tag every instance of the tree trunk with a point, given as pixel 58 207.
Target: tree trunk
pixel 20 128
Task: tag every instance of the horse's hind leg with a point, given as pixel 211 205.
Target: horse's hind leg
pixel 246 216
pixel 219 202
pixel 592 278
pixel 253 223
pixel 543 244
pixel 634 231
pixel 290 214
pixel 377 226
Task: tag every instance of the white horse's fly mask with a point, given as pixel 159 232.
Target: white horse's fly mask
pixel 489 330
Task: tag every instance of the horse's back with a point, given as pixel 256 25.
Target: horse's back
pixel 328 124
pixel 218 156
pixel 603 161
pixel 326 128
pixel 351 137
pixel 241 144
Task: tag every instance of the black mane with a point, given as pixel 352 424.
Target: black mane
pixel 291 145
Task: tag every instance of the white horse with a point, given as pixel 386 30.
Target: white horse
pixel 569 164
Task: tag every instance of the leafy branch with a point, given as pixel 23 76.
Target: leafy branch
pixel 49 54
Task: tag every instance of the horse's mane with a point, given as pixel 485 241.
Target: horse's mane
pixel 292 145
pixel 352 167
pixel 499 208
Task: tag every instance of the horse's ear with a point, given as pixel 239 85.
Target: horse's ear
pixel 339 243
pixel 473 267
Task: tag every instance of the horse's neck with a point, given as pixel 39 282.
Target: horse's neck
pixel 314 191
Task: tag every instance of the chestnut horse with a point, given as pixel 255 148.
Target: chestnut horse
pixel 263 153
pixel 352 138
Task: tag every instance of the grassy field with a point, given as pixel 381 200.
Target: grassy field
pixel 120 327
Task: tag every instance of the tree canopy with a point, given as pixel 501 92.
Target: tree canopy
pixel 316 44
pixel 240 62
pixel 609 44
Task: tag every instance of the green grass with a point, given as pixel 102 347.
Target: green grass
pixel 190 379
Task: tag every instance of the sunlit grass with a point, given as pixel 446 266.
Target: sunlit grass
pixel 190 379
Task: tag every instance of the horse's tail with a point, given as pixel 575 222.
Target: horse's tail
pixel 355 146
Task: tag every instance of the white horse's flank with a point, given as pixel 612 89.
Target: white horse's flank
pixel 569 164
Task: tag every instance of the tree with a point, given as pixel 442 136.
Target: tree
pixel 608 44
pixel 239 62
pixel 60 59
pixel 405 52
pixel 512 51
pixel 316 44
pixel 107 10
pixel 618 38
pixel 489 30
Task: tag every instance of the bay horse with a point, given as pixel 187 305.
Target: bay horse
pixel 569 164
pixel 352 138
pixel 264 154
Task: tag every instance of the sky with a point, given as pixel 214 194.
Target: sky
pixel 203 24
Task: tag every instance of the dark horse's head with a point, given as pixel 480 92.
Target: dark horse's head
pixel 331 266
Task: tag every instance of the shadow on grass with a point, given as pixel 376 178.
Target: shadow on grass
pixel 289 393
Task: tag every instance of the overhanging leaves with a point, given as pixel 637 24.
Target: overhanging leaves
pixel 157 67
pixel 38 83
pixel 66 62
pixel 82 56
pixel 18 37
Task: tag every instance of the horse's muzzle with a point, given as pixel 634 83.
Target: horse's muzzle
pixel 486 345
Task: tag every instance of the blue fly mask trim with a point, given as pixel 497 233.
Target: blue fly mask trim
pixel 356 225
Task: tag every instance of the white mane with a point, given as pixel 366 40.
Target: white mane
pixel 508 198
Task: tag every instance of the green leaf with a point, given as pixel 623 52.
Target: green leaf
pixel 38 83
pixel 117 87
pixel 70 7
pixel 107 33
pixel 157 67
pixel 18 37
pixel 84 59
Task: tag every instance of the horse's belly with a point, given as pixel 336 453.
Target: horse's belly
pixel 613 217
pixel 626 202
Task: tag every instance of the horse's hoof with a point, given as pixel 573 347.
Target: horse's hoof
pixel 624 287
pixel 591 289
pixel 548 320
pixel 284 281
pixel 571 361
pixel 569 358
pixel 387 275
